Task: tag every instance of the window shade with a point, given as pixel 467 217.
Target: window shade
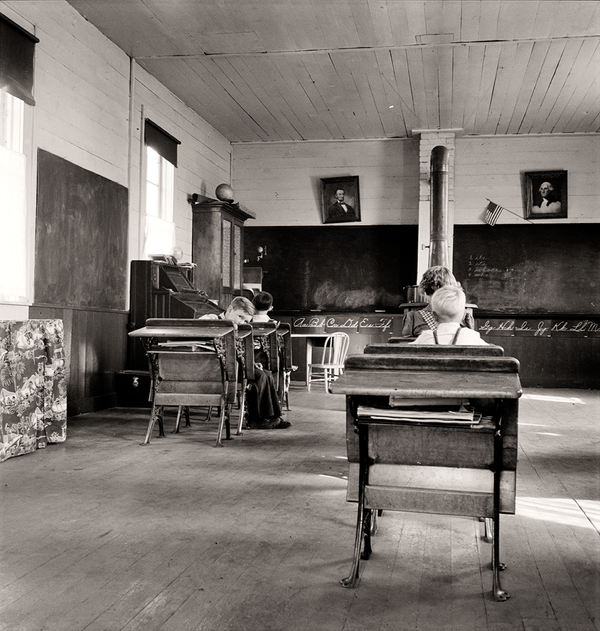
pixel 17 47
pixel 163 143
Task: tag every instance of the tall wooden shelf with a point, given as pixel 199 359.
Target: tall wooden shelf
pixel 218 248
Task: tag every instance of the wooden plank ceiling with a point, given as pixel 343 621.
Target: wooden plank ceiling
pixel 274 70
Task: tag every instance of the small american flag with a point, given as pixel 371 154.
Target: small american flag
pixel 492 212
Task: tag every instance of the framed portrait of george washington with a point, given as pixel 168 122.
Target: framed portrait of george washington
pixel 340 199
pixel 546 194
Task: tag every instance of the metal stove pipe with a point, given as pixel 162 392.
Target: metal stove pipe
pixel 438 250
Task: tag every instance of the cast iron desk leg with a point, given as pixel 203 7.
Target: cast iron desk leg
pixel 362 519
pixel 155 415
pixel 498 593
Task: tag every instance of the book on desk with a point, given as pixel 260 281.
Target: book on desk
pixel 429 415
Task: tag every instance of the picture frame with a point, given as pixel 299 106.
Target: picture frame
pixel 340 199
pixel 546 195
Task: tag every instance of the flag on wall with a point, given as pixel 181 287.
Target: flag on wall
pixel 492 212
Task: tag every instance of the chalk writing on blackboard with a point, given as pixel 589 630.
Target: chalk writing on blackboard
pixel 540 328
pixel 334 322
pixel 370 323
pixel 480 267
pixel 537 328
pixel 497 326
pixel 584 327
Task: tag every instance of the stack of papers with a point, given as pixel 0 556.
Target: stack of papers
pixel 467 417
pixel 402 402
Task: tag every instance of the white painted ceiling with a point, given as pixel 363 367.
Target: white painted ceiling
pixel 273 70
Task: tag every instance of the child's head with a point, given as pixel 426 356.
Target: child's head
pixel 436 277
pixel 240 311
pixel 263 301
pixel 448 303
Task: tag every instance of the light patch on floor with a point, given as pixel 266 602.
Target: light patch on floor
pixel 583 514
pixel 552 399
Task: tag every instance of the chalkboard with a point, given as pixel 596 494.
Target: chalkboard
pixel 81 237
pixel 335 268
pixel 533 269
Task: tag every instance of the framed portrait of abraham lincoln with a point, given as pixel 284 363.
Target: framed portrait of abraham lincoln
pixel 340 199
pixel 546 194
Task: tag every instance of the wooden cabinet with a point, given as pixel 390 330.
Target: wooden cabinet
pixel 218 248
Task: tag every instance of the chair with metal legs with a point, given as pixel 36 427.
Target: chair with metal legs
pixel 332 364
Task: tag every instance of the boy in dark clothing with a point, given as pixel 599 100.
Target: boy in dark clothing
pixel 264 409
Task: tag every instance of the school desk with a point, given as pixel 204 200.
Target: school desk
pixel 456 468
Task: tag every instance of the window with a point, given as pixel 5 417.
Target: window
pixel 17 51
pixel 13 201
pixel 161 160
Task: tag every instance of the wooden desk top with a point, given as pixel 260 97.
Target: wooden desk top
pixel 264 328
pixel 430 376
pixel 243 330
pixel 202 331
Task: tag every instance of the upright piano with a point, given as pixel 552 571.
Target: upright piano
pixel 162 290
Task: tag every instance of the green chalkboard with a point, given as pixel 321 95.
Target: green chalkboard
pixel 530 269
pixel 335 268
pixel 81 237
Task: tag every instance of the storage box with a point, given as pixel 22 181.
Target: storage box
pixel 133 389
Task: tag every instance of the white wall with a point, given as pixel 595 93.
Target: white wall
pixel 280 182
pixel 82 114
pixel 203 157
pixel 82 87
pixel 492 167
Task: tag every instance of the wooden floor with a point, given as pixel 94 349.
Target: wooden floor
pixel 102 534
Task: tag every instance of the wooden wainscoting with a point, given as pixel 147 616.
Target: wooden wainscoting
pixel 96 348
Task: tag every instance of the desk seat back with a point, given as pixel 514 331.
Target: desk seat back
pixel 188 372
pixel 432 361
pixel 245 351
pixel 265 333
pixel 284 335
pixel 490 350
pixel 400 450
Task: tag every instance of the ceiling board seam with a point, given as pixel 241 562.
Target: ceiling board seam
pixel 327 51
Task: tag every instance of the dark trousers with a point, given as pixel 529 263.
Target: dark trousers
pixel 261 397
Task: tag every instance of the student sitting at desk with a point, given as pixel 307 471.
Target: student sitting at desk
pixel 415 322
pixel 263 401
pixel 448 305
pixel 264 411
pixel 263 303
pixel 240 311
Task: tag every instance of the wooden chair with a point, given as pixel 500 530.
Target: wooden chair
pixel 332 365
pixel 192 363
pixel 457 469
pixel 245 358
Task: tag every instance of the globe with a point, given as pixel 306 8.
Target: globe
pixel 224 192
